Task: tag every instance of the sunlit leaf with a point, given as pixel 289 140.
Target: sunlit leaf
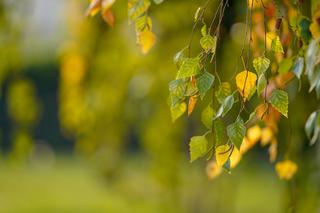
pixel 235 157
pixel 197 14
pixel 236 132
pixel 261 64
pixel 276 45
pixel 204 30
pixel 142 23
pixel 178 110
pixel 266 136
pixel 246 83
pixel 298 66
pixel 223 91
pixel 204 83
pixel 191 104
pixel 286 169
pixel 279 100
pixel 208 43
pixel 189 67
pixel 254 134
pixel 146 40
pixel 207 116
pixel 198 146
pixel 223 153
pixel 285 65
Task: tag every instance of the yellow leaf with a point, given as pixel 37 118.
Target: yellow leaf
pixel 146 40
pixel 192 103
pixel 246 83
pixel 315 30
pixel 266 136
pixel 286 169
pixel 223 152
pixel 245 145
pixel 213 170
pixel 254 134
pixel 107 4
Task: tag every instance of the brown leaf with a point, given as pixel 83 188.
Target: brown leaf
pixel 108 17
pixel 192 103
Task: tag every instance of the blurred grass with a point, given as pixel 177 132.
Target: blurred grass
pixel 71 186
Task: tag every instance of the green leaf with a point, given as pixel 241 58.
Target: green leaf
pixel 198 147
pixel 204 83
pixel 225 106
pixel 207 116
pixel 177 90
pixel 223 91
pixel 303 26
pixel 261 64
pixel 219 132
pixel 189 67
pixel 276 45
pixel 178 110
pixel 310 124
pixel 236 132
pixel 207 42
pixel 279 100
pixel 138 8
pixel 298 66
pixel 285 65
pixel 204 30
pixel 262 83
pixel 197 14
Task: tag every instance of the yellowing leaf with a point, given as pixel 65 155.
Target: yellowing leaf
pixel 177 110
pixel 192 103
pixel 246 83
pixel 276 45
pixel 223 153
pixel 245 145
pixel 286 169
pixel 261 64
pixel 213 170
pixel 146 40
pixel 315 30
pixel 279 100
pixel 107 4
pixel 254 134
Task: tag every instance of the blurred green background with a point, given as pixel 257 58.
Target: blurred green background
pixel 85 126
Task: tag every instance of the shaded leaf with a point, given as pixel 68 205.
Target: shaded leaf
pixel 310 125
pixel 236 132
pixel 298 66
pixel 285 65
pixel 204 83
pixel 207 116
pixel 225 106
pixel 219 132
pixel 223 91
pixel 198 146
pixel 279 100
pixel 262 83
